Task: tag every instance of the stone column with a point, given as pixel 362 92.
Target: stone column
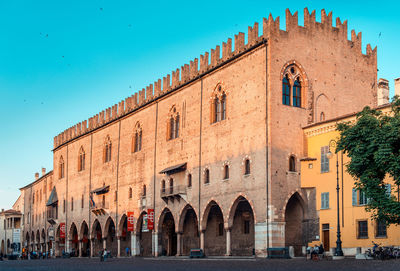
pixel 105 243
pixel 119 247
pixel 178 242
pixel 228 242
pixel 202 240
pixel 66 245
pixel 91 247
pixel 155 244
pixel 133 244
pixel 80 248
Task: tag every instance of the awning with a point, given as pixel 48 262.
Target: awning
pixel 101 190
pixel 174 169
pixel 53 197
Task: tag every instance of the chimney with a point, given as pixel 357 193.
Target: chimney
pixel 383 91
pixel 43 171
pixel 36 175
pixel 397 86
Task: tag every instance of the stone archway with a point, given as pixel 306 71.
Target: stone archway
pixel 33 241
pixel 59 243
pixel 241 224
pixel 144 237
pixel 214 234
pixel 27 240
pixel 168 234
pixel 43 239
pixel 294 217
pixel 188 228
pixel 37 241
pixel 74 242
pixel 97 238
pixel 124 235
pixel 111 237
pixel 85 240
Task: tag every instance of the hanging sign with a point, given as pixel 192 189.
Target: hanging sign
pixel 150 219
pixel 62 230
pixel 144 224
pixel 131 221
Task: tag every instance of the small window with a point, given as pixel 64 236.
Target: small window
pixel 163 186
pixel 226 172
pixel 362 229
pixel 223 106
pixel 189 180
pixel 144 190
pixel 324 159
pixel 220 229
pixel 362 198
pixel 64 206
pixel 247 167
pixel 217 110
pixel 82 202
pixel 322 116
pixel 130 192
pixel 207 176
pixel 61 168
pixel 297 93
pixel 381 229
pixel 107 150
pixel 171 186
pixel 72 204
pixel 246 229
pixel 325 200
pixel 81 159
pixel 138 140
pixel 292 163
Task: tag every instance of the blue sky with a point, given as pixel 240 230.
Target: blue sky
pixel 64 61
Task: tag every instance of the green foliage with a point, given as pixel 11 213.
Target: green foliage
pixel 373 145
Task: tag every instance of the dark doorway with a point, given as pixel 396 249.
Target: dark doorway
pixel 294 215
pixel 168 235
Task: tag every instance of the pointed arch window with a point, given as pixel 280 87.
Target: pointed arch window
pixel 226 172
pixel 144 191
pixel 286 91
pixel 107 150
pixel 247 167
pixel 292 163
pixel 218 105
pixel 130 192
pixel 207 176
pixel 173 124
pixel 297 93
pixel 81 159
pixel 61 168
pixel 137 140
pixel 223 106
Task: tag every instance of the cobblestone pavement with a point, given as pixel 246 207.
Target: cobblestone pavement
pixel 164 264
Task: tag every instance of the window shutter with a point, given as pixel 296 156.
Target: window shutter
pixel 354 197
pixel 327 200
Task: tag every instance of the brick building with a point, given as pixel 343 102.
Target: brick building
pixel 213 148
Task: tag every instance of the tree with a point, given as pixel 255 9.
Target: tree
pixel 373 145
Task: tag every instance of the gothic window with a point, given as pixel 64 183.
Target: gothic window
pixel 285 91
pixel 189 180
pixel 207 176
pixel 226 172
pixel 292 163
pixel 247 167
pixel 173 124
pixel 72 204
pixel 130 192
pixel 171 186
pixel 61 168
pixel 81 160
pixel 218 105
pixel 137 141
pixel 107 150
pixel 297 93
pixel 144 190
pixel 293 84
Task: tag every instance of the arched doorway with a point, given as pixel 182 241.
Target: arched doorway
pixel 294 216
pixel 189 229
pixel 110 236
pixel 97 238
pixel 84 238
pixel 38 241
pixel 43 239
pixel 144 236
pixel 241 223
pixel 214 234
pixel 168 234
pixel 33 241
pixel 125 236
pixel 73 235
pixel 27 240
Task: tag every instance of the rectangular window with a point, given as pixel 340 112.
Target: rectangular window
pixel 362 229
pixel 325 200
pixel 381 229
pixel 362 199
pixel 324 159
pixel 388 190
pixel 246 227
pixel 354 197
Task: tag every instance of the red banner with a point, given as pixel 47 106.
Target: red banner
pixel 131 221
pixel 62 230
pixel 150 219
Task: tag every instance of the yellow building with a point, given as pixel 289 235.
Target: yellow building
pixel 358 229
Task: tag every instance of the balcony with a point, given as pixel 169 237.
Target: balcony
pixel 174 192
pixel 100 208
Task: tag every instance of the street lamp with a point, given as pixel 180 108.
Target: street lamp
pixel 332 143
